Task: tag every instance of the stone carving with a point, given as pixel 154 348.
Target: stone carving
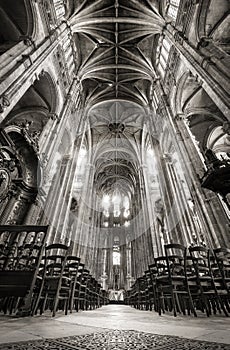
pixel 10 164
pixel 4 103
pixel 31 135
pixel 5 181
pixel 8 167
pixel 116 128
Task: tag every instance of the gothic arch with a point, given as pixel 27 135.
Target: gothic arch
pixel 18 21
pixel 69 7
pixel 177 105
pixel 211 18
pixel 201 112
pixel 47 77
pixel 34 109
pixel 202 125
pixel 219 142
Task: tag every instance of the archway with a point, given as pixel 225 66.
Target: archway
pixel 17 23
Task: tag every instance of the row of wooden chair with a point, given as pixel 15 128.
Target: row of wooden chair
pixel 34 277
pixel 64 283
pixel 185 280
pixel 21 249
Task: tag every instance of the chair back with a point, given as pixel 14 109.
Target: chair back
pixel 176 259
pixel 222 256
pixel 20 256
pixel 71 269
pixel 19 244
pixel 161 266
pixel 201 261
pixel 54 263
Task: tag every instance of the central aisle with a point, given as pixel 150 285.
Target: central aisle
pixel 113 317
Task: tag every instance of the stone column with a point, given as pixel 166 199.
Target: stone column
pixel 214 82
pixel 215 222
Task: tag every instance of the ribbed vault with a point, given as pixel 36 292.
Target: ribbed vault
pixel 115 43
pixel 116 132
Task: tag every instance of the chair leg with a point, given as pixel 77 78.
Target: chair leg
pixel 55 305
pixel 190 301
pixel 174 303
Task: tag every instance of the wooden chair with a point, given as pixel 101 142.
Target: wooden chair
pixel 172 283
pixel 83 298
pixel 95 293
pixel 134 295
pixel 104 299
pixel 153 274
pixel 71 270
pixel 77 298
pixel 92 295
pixel 141 293
pixel 209 289
pixel 98 295
pixel 222 256
pixel 21 253
pixel 127 296
pixel 164 301
pixel 55 289
pixel 149 291
pixel 220 266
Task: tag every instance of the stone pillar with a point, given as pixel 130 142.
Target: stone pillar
pixel 104 278
pixel 82 225
pixel 214 82
pixel 148 207
pixel 215 223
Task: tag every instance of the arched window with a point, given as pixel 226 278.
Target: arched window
pixel 162 55
pixel 173 8
pixel 80 171
pixel 219 142
pixel 116 251
pixel 116 256
pixel 117 204
pixel 59 8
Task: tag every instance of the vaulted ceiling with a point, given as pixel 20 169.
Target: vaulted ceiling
pixel 116 132
pixel 116 42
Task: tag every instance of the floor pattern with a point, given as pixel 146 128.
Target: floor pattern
pixel 116 340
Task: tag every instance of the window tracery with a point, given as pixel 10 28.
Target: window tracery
pixel 162 57
pixel 173 8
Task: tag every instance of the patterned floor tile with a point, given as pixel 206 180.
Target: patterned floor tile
pixel 116 340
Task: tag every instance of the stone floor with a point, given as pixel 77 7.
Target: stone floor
pixel 114 317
